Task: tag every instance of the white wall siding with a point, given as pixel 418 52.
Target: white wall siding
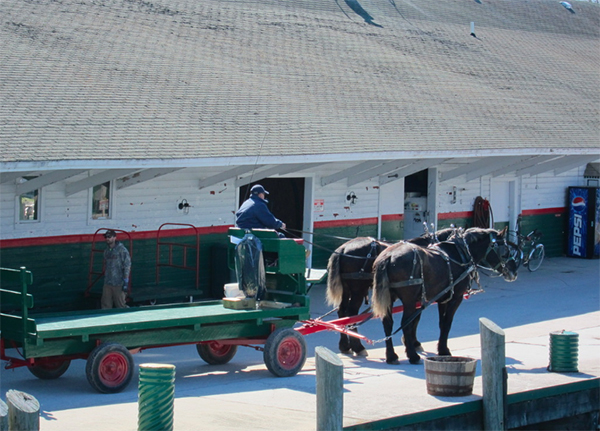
pixel 466 192
pixel 548 191
pixel 142 207
pixel 145 206
pixel 336 207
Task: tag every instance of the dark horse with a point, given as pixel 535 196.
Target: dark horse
pixel 442 272
pixel 350 277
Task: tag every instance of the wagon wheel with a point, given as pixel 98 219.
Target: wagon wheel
pixel 109 368
pixel 285 352
pixel 49 368
pixel 215 353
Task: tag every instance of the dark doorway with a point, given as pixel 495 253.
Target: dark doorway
pixel 416 183
pixel 286 199
pixel 415 204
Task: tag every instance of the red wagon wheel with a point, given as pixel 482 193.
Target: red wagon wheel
pixel 285 352
pixel 215 353
pixel 109 368
pixel 49 368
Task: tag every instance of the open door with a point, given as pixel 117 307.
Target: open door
pixel 286 200
pixel 415 204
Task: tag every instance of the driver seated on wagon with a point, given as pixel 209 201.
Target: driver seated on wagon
pixel 254 213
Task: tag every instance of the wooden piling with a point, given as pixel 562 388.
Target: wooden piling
pixel 23 411
pixel 330 387
pixel 493 374
pixel 3 416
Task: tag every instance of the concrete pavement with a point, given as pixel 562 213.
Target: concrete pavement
pixel 563 294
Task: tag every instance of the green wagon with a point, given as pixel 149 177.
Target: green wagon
pixel 106 339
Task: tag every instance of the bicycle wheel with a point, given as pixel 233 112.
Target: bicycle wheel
pixel 536 257
pixel 515 253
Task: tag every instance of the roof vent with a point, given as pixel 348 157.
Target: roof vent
pixel 567 6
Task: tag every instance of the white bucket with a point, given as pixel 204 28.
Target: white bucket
pixel 232 290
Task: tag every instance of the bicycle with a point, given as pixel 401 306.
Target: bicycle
pixel 529 251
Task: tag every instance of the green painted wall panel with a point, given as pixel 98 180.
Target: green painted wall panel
pixel 60 271
pixel 553 228
pixel 392 230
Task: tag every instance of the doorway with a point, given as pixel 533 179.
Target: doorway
pixel 286 199
pixel 415 204
pixel 503 202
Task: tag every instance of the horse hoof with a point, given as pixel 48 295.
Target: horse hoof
pixel 393 359
pixel 363 352
pixel 415 361
pixel 346 352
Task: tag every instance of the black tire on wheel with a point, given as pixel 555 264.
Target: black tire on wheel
pixel 215 353
pixel 536 257
pixel 49 368
pixel 109 368
pixel 285 352
pixel 515 253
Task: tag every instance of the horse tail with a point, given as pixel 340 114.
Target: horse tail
pixel 335 289
pixel 381 297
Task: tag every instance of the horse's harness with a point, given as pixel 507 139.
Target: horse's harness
pixel 415 279
pixel 495 246
pixel 362 274
pixel 470 271
pixel 466 261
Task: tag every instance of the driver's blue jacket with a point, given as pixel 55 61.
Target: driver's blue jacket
pixel 254 214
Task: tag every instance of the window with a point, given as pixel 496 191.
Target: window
pixel 101 201
pixel 29 204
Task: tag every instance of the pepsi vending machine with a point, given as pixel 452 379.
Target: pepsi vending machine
pixel 584 219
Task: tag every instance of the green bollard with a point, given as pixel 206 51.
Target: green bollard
pixel 156 395
pixel 564 347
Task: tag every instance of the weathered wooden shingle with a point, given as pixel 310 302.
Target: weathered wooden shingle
pixel 197 79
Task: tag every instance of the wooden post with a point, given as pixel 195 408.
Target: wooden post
pixel 493 373
pixel 3 416
pixel 23 411
pixel 330 387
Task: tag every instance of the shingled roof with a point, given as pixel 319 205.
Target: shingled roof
pixel 215 81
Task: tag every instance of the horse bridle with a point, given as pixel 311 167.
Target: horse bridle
pixel 494 246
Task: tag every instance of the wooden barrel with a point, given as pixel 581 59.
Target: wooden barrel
pixel 450 376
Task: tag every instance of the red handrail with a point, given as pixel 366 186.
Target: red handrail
pixel 185 248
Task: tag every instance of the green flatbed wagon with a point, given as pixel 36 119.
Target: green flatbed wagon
pixel 106 339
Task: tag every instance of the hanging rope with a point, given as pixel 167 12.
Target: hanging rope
pixel 482 213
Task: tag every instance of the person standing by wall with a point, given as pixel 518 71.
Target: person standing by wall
pixel 117 266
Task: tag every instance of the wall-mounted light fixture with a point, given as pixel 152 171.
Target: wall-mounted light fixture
pixel 184 205
pixel 351 198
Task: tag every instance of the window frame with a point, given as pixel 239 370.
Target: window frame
pixel 37 205
pixel 111 204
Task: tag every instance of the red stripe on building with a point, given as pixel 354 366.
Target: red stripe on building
pixel 542 211
pixel 392 217
pixel 345 222
pixel 462 214
pixel 74 239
